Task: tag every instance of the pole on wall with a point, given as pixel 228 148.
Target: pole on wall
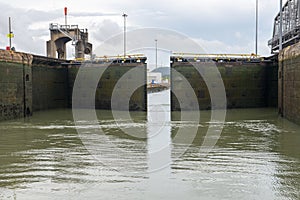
pixel 10 34
pixel 66 13
pixel 155 53
pixel 125 15
pixel 256 29
pixel 281 111
pixel 280 27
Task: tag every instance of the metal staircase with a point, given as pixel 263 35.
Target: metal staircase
pixel 64 29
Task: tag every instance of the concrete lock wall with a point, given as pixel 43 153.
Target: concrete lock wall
pixel 50 84
pixel 247 85
pixel 107 84
pixel 272 82
pixel 15 85
pixel 30 83
pixel 289 83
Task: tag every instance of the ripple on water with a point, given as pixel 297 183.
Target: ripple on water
pixel 253 159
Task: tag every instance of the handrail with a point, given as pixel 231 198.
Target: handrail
pixel 199 55
pixel 54 26
pixel 121 56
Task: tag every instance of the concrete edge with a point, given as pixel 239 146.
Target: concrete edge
pixel 16 57
pixel 289 52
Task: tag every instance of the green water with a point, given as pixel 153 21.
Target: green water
pixel 43 157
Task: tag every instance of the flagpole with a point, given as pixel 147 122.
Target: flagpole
pixel 66 13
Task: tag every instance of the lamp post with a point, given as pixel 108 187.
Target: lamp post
pixel 10 34
pixel 281 110
pixel 256 28
pixel 155 53
pixel 280 27
pixel 125 15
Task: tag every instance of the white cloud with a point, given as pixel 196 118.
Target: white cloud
pixel 219 25
pixel 238 35
pixel 104 30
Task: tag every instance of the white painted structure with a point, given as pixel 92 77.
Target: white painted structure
pixel 153 77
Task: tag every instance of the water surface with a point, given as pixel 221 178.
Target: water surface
pixel 43 157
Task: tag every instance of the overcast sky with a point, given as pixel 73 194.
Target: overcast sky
pixel 219 26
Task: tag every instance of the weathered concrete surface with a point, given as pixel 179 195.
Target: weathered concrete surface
pixel 289 83
pixel 62 34
pixel 247 85
pixel 50 84
pixel 272 82
pixel 15 85
pixel 31 83
pixel 107 85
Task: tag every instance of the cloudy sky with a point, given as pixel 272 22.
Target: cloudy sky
pixel 219 26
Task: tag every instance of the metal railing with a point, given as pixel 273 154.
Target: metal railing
pixel 219 58
pixel 65 29
pixel 55 26
pixel 216 56
pixel 290 26
pixel 129 58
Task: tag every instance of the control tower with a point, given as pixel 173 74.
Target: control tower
pixel 62 34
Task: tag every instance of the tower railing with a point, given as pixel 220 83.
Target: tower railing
pixel 290 26
pixel 64 29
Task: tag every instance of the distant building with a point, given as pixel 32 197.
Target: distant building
pixel 165 74
pixel 153 77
